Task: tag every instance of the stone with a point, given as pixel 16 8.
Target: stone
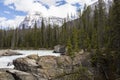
pixel 9 64
pixel 8 53
pixel 59 49
pixel 53 67
pixel 33 56
pixel 6 76
pixel 64 62
pixel 47 62
pixel 20 75
pixel 25 64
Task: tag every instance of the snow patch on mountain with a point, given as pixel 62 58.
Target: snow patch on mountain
pixel 32 18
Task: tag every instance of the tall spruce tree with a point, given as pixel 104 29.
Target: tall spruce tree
pixel 75 40
pixel 69 47
pixel 42 34
pixel 101 22
pixel 95 29
pixel 116 24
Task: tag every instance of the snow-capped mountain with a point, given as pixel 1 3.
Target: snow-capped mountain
pixel 32 18
pixel 36 17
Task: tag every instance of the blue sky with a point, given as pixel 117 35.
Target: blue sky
pixel 9 13
pixel 14 11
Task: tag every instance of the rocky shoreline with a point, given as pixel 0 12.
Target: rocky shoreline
pixel 8 53
pixel 34 67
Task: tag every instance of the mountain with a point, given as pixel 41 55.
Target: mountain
pixel 108 3
pixel 36 17
pixel 32 18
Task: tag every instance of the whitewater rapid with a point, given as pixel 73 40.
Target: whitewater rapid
pixel 8 59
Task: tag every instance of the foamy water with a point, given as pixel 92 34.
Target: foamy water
pixel 8 59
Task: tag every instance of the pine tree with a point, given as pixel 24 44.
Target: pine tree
pixel 95 20
pixel 42 34
pixel 101 22
pixel 95 29
pixel 35 35
pixel 49 36
pixel 69 48
pixel 13 40
pixel 1 38
pixel 75 40
pixel 64 32
pixel 116 25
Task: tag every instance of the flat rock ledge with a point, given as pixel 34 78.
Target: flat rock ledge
pixel 8 53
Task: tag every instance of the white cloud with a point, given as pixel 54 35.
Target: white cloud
pixel 11 22
pixel 77 1
pixel 24 5
pixel 2 19
pixel 62 11
pixel 30 6
pixel 48 2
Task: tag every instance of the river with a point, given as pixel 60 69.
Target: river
pixel 8 59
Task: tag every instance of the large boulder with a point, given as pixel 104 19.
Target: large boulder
pixel 12 74
pixel 33 56
pixel 20 75
pixel 6 76
pixel 59 49
pixel 52 67
pixel 25 64
pixel 47 62
pixel 8 53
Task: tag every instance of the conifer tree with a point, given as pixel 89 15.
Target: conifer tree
pixel 75 40
pixel 116 25
pixel 69 48
pixel 42 33
pixel 35 35
pixel 95 29
pixel 101 22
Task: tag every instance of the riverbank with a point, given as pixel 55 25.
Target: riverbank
pixel 5 60
pixel 8 53
pixel 34 67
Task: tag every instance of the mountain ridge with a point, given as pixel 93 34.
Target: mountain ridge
pixel 30 20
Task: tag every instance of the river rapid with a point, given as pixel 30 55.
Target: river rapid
pixel 5 60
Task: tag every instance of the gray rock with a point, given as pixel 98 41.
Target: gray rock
pixel 6 76
pixel 47 62
pixel 25 64
pixel 59 49
pixel 9 64
pixel 8 53
pixel 52 67
pixel 33 56
pixel 20 75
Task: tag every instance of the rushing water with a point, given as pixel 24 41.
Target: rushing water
pixel 8 59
